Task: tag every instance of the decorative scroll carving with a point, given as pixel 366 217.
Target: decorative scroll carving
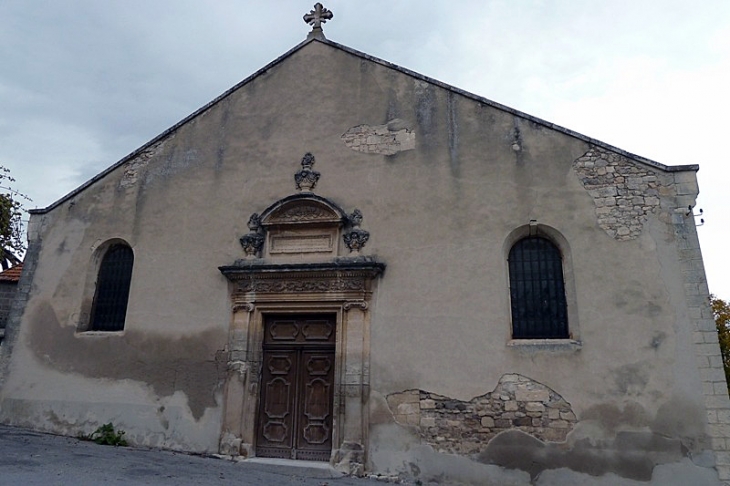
pixel 266 285
pixel 306 178
pixel 355 303
pixel 302 212
pixel 253 242
pixel 355 238
pixel 242 306
pixel 344 275
pixel 355 219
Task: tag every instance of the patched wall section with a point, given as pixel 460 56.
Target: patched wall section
pixel 457 427
pixel 624 193
pixel 380 139
pixel 133 168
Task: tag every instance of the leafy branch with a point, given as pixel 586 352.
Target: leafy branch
pixel 12 240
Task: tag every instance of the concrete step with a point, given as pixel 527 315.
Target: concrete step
pixel 311 469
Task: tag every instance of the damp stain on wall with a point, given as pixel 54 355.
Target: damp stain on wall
pixel 194 364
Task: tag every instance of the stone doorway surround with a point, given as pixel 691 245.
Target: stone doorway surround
pixel 297 262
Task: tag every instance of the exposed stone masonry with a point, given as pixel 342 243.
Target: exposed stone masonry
pixel 704 331
pixel 457 427
pixel 380 139
pixel 624 192
pixel 133 167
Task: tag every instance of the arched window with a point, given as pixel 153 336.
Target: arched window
pixel 112 289
pixel 537 290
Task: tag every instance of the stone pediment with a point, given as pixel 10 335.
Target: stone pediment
pixel 303 209
pixel 304 226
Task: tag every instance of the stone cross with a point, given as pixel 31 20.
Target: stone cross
pixel 318 16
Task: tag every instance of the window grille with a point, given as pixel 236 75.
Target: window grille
pixel 537 290
pixel 112 289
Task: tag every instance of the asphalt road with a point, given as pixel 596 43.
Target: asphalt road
pixel 28 458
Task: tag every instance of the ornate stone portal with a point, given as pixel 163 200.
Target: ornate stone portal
pixel 298 262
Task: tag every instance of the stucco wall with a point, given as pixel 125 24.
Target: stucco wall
pixel 441 199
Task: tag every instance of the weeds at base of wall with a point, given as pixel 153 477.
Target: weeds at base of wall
pixel 106 435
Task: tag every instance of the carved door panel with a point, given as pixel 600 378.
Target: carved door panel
pixel 297 388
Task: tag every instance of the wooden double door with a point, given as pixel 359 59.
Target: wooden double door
pixel 297 387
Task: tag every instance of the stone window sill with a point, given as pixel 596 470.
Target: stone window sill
pixel 545 344
pixel 99 333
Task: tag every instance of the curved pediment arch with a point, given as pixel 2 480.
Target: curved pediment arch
pixel 301 209
pixel 304 226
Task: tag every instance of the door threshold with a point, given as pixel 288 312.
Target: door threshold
pixel 312 469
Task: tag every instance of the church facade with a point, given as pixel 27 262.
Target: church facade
pixel 375 269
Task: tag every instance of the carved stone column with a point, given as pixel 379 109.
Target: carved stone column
pixel 238 381
pixel 354 388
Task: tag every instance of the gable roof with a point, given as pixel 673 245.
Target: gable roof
pixel 389 65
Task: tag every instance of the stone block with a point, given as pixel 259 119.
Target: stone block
pixel 717 401
pixel 428 404
pixel 411 396
pixel 712 374
pixel 719 430
pixel 718 444
pixel 722 458
pixel 427 422
pixel 532 395
pixel 707 349
pixel 687 188
pixel 412 419
pixel 723 472
pixel 408 409
pixel 567 416
pixel 609 191
pixel 723 416
pixel 553 413
pixel 487 422
pixel 511 406
pixel 559 424
pixel 534 407
pixel 706 325
pixel 712 416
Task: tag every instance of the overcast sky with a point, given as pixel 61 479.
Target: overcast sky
pixel 85 82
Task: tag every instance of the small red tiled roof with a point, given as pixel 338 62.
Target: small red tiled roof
pixel 12 274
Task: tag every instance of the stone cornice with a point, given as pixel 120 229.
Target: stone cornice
pixel 341 275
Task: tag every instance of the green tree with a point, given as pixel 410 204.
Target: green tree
pixel 721 312
pixel 12 241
